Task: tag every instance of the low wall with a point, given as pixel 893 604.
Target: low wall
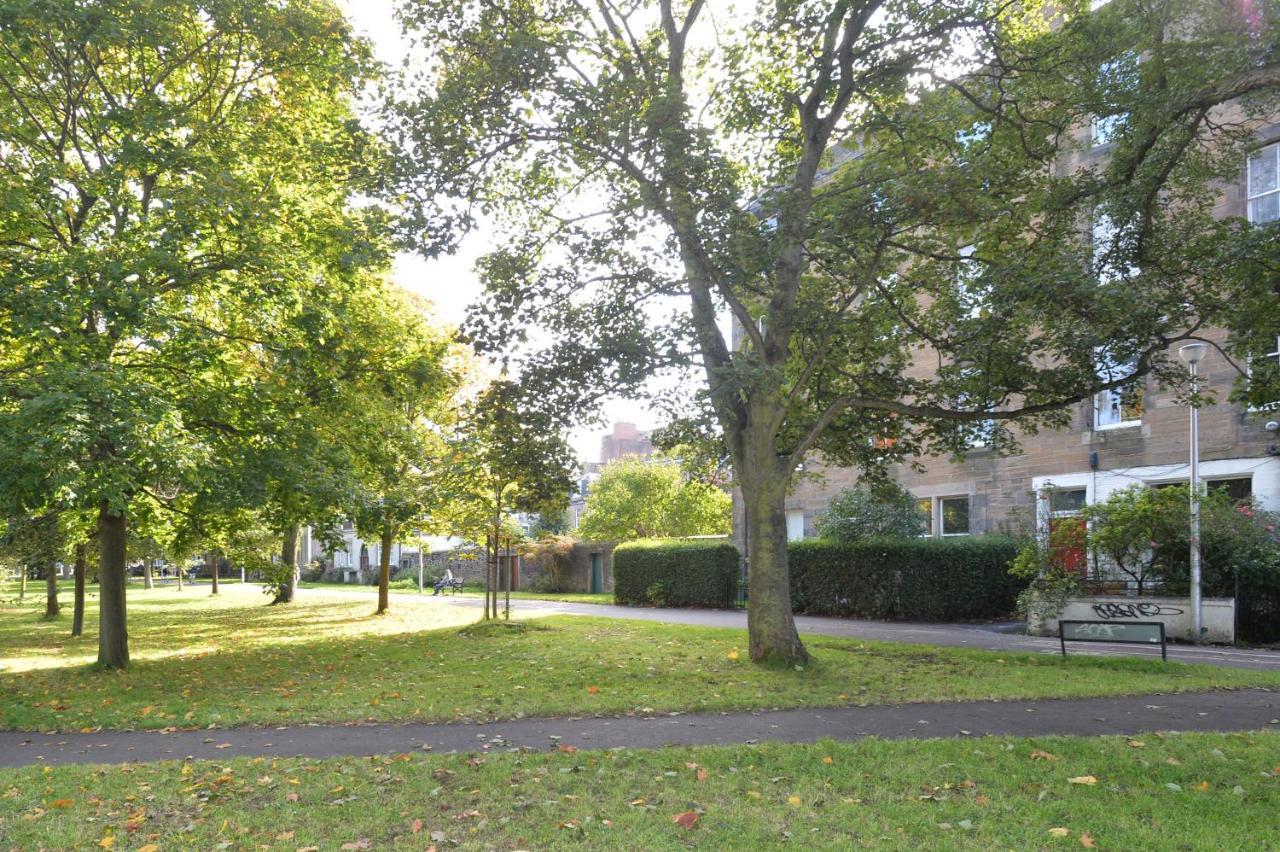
pixel 1218 615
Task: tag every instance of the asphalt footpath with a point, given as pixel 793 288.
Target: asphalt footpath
pixel 1242 710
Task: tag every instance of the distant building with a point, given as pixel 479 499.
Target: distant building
pixel 625 440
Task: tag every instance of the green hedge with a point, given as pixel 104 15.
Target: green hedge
pixel 676 572
pixel 927 579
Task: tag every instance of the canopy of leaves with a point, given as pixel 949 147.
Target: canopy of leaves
pixel 652 498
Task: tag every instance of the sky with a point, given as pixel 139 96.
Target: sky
pixel 450 282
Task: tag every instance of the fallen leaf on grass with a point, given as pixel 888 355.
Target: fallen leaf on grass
pixel 107 842
pixel 1087 780
pixel 150 847
pixel 793 801
pixel 1201 787
pixel 702 774
pixel 1059 832
pixel 285 835
pixel 1135 744
pixel 62 803
pixel 593 690
pixel 416 826
pixel 1043 755
pixel 733 655
pixel 827 760
pixel 362 843
pixel 1086 840
pixel 688 819
pixel 567 749
pixel 292 797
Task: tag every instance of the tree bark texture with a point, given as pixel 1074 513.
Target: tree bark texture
pixel 384 569
pixel 177 570
pixel 771 626
pixel 77 609
pixel 289 558
pixel 51 605
pixel 148 574
pixel 211 559
pixel 113 635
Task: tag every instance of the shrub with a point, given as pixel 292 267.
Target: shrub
pixel 676 572
pixel 883 510
pixel 923 579
pixel 554 553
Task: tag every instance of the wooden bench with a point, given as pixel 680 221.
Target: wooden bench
pixel 1124 632
pixel 455 585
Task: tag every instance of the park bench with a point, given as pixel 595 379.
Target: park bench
pixel 455 585
pixel 1124 632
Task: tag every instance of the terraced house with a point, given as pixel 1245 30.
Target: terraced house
pixel 1133 434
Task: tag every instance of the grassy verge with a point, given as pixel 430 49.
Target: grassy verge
pixel 232 660
pixel 1194 791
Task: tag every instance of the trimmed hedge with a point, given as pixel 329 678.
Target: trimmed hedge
pixel 676 572
pixel 927 579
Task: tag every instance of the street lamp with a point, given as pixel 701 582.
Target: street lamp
pixel 1193 354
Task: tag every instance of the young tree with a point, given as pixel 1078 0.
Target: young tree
pixel 503 458
pixel 407 395
pixel 882 510
pixel 889 198
pixel 172 175
pixel 653 498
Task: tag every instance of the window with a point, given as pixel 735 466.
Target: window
pixel 1262 185
pixel 1120 406
pixel 1068 500
pixel 954 512
pixel 795 524
pixel 1271 366
pixel 1109 249
pixel 925 504
pixel 1238 489
pixel 970 292
pixel 1116 81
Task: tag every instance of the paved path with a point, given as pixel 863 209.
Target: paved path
pixel 1207 711
pixel 995 637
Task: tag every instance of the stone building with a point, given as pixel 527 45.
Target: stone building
pixel 1138 434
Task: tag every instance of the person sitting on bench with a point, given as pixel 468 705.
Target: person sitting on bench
pixel 443 582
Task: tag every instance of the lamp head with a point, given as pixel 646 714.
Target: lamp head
pixel 1193 353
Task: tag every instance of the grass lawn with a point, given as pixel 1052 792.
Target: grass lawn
pixel 1194 791
pixel 232 660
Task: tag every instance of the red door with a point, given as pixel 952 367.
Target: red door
pixel 1066 545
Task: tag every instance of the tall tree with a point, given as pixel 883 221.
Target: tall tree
pixel 889 198
pixel 175 176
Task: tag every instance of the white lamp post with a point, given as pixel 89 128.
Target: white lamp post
pixel 1193 354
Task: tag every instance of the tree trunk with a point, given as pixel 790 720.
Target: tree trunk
pixel 22 582
pixel 289 568
pixel 384 569
pixel 177 570
pixel 51 605
pixel 148 572
pixel 211 559
pixel 771 626
pixel 420 586
pixel 77 609
pixel 113 637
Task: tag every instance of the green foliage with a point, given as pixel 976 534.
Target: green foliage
pixel 927 579
pixel 637 498
pixel 871 153
pixel 885 510
pixel 1126 528
pixel 1050 583
pixel 553 552
pixel 665 572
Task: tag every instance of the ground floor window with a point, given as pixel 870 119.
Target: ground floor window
pixel 945 515
pixel 795 524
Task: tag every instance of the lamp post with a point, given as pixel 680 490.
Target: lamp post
pixel 1193 354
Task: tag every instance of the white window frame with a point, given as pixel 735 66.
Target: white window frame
pixel 971 300
pixel 1273 355
pixel 968 513
pixel 1103 236
pixel 935 514
pixel 792 533
pixel 1109 400
pixel 1273 151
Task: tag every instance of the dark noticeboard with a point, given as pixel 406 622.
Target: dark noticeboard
pixel 1127 632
